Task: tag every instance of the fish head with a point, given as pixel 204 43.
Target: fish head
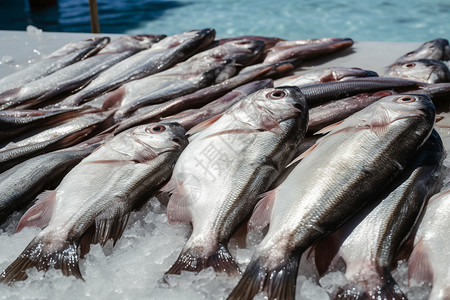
pixel 160 137
pixel 434 49
pixel 131 42
pixel 244 51
pixel 268 107
pixel 423 70
pixel 192 36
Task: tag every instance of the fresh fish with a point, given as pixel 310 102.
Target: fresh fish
pixel 127 170
pixel 369 249
pixel 323 92
pixel 268 41
pixel 325 75
pixel 435 49
pixel 423 70
pixel 203 96
pixel 429 259
pixel 23 182
pixel 52 138
pixel 163 55
pixel 62 57
pixel 77 74
pixel 335 111
pixel 306 49
pixel 16 122
pixel 347 169
pixel 217 179
pixel 191 117
pixel 201 70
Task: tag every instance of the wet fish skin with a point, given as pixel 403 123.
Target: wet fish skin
pixel 137 162
pixel 423 70
pixel 335 111
pixel 323 92
pixel 435 49
pixel 325 75
pixel 62 57
pixel 374 237
pixel 190 118
pixel 309 205
pixel 255 139
pixel 306 49
pixel 53 138
pixel 429 261
pixel 77 74
pixel 161 56
pixel 23 182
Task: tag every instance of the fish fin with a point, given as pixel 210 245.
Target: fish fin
pixel 326 253
pixel 419 265
pixel 114 99
pixel 278 283
pixel 329 128
pixel 40 213
pixel 221 261
pixel 240 236
pixel 178 206
pixel 7 96
pixel 303 155
pixel 261 213
pixel 61 255
pixel 388 289
pixel 205 124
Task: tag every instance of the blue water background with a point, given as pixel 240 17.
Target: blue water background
pixel 361 20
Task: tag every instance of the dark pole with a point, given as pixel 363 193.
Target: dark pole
pixel 95 26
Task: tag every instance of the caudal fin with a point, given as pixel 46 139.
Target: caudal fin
pixel 42 256
pixel 220 261
pixel 388 290
pixel 278 283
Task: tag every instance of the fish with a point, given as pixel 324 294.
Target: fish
pixel 23 182
pixel 191 117
pixel 306 49
pixel 161 56
pixel 323 92
pixel 127 170
pixel 77 74
pixel 423 70
pixel 52 138
pixel 428 261
pixel 325 75
pixel 343 172
pixel 435 49
pixel 335 111
pixel 201 70
pixel 203 96
pixel 370 243
pixel 64 56
pixel 229 161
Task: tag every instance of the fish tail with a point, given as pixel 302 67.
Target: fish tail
pixel 389 289
pixel 278 283
pixel 221 261
pixel 42 256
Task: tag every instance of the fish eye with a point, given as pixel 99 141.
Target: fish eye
pixel 406 99
pixel 410 65
pixel 275 95
pixel 155 129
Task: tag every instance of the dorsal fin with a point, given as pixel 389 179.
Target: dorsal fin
pixel 40 213
pixel 205 124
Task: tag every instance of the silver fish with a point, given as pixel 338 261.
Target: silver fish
pixel 369 249
pixel 159 57
pixel 77 74
pixel 345 170
pixel 62 57
pixel 127 170
pixel 23 182
pixel 435 49
pixel 423 70
pixel 429 259
pixel 217 179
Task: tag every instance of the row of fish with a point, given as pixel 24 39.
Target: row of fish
pixel 107 141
